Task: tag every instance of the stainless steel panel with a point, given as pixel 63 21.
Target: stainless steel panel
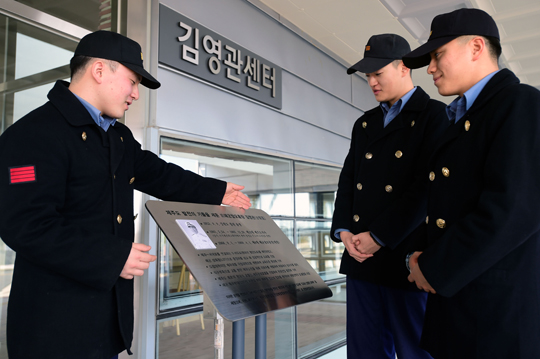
pixel 253 269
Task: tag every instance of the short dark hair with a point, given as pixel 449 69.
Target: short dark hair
pixel 79 63
pixel 396 64
pixel 494 46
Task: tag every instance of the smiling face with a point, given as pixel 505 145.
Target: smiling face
pixel 450 67
pixel 387 84
pixel 120 88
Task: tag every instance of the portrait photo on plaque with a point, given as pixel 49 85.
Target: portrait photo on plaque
pixel 196 235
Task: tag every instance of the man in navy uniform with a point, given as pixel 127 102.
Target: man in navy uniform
pixel 380 204
pixel 66 198
pixel 482 258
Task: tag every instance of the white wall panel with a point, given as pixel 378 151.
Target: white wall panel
pixel 193 108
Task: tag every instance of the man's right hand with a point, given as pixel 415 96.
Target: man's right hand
pixel 137 261
pixel 350 243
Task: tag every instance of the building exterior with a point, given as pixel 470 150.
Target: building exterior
pixel 243 98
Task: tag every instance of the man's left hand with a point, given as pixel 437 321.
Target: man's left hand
pixel 417 276
pixel 233 196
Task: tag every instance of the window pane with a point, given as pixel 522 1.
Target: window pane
pixel 89 14
pixel 193 336
pixel 322 323
pixel 177 285
pixel 317 247
pixel 26 78
pixel 267 180
pixel 315 190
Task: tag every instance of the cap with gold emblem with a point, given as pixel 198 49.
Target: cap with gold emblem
pixel 447 27
pixel 112 46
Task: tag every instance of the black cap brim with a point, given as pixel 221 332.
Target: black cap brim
pixel 421 56
pixel 147 79
pixel 368 65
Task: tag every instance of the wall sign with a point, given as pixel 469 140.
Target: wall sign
pixel 192 48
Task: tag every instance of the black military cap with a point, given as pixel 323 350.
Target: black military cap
pixel 447 27
pixel 112 46
pixel 380 51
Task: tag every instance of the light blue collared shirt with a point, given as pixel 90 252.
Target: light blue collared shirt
pixel 461 105
pixel 389 113
pixel 102 121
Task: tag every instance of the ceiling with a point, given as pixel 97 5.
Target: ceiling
pixel 341 28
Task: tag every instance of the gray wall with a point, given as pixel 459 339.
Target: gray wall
pixel 320 101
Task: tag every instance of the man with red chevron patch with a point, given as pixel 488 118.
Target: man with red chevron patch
pixel 68 173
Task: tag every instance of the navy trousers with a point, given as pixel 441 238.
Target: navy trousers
pixel 384 321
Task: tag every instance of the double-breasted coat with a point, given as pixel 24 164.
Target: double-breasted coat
pixel 380 187
pixel 483 250
pixel 66 204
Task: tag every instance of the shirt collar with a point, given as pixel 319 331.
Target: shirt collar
pixel 389 113
pixel 399 103
pixel 102 121
pixel 457 108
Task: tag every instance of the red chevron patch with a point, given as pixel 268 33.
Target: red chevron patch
pixel 22 174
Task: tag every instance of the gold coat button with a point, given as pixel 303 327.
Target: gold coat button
pixel 364 124
pixel 356 218
pixel 399 154
pixel 427 219
pixel 412 123
pixel 119 219
pixel 121 138
pixel 84 136
pixel 369 155
pixel 359 186
pixel 441 223
pixel 388 188
pixel 114 176
pixel 445 172
pixel 467 125
pixel 132 180
pixel 432 176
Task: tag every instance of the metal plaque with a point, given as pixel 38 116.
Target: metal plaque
pixel 241 258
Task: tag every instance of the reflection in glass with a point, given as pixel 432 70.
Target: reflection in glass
pixel 192 335
pixel 322 323
pixel 267 180
pixel 89 14
pixel 31 61
pixel 315 190
pixel 320 251
pixel 178 287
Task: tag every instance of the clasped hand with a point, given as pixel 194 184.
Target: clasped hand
pixel 360 246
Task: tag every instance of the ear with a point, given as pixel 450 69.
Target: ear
pixel 477 46
pixel 404 69
pixel 97 70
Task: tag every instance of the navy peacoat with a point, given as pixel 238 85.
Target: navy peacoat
pixel 380 187
pixel 483 250
pixel 66 199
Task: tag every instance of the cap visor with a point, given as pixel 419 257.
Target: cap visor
pixel 368 65
pixel 421 57
pixel 147 79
